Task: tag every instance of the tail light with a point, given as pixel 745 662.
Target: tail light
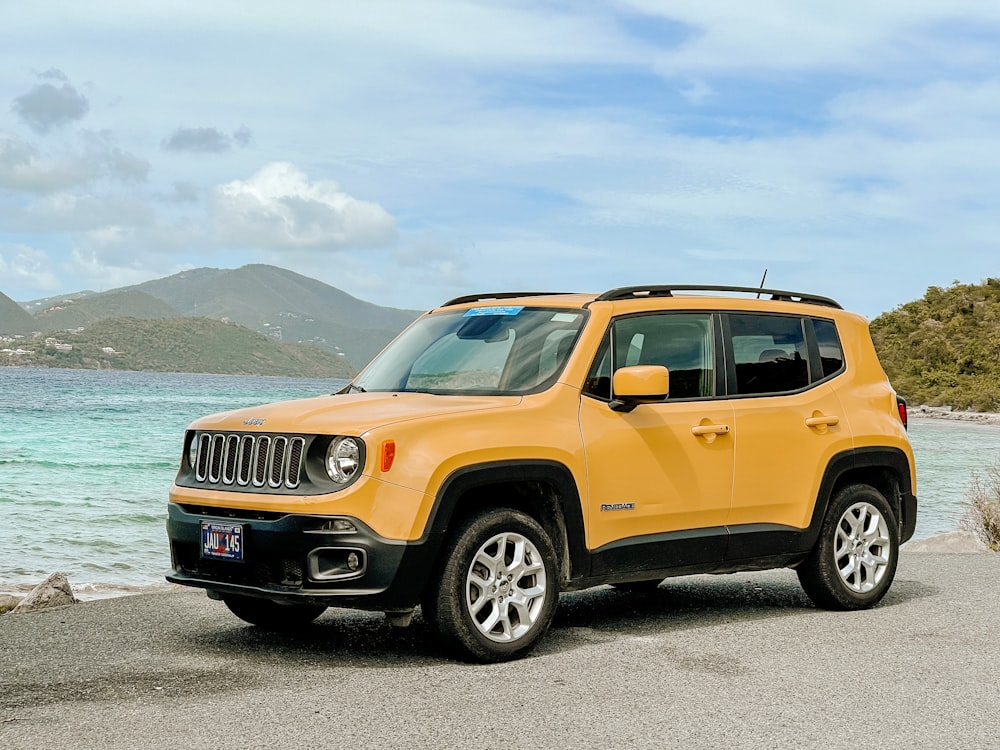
pixel 901 406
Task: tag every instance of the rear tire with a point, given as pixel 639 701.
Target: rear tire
pixel 498 588
pixel 854 560
pixel 270 615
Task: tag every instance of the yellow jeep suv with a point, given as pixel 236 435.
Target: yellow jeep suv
pixel 509 447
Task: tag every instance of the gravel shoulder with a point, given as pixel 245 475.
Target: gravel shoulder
pixel 706 661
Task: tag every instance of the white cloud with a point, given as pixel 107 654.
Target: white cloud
pixel 22 167
pixel 99 275
pixel 548 144
pixel 27 267
pixel 279 207
pixel 84 212
pixel 936 110
pixel 431 259
pixel 490 33
pixel 880 39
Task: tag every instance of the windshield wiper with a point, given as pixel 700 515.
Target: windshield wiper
pixel 350 388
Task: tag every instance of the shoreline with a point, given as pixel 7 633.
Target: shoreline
pixel 947 413
pixel 957 541
pixel 86 592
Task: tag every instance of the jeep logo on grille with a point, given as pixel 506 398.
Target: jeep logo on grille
pixel 254 421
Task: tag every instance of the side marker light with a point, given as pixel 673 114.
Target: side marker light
pixel 388 455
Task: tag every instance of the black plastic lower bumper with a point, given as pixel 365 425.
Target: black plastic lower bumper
pixel 909 501
pixel 295 558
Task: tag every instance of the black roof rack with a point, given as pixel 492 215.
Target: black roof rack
pixel 631 292
pixel 496 295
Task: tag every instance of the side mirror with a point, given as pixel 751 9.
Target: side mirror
pixel 640 384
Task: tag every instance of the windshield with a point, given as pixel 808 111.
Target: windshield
pixel 508 349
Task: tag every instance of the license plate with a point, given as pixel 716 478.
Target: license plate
pixel 222 541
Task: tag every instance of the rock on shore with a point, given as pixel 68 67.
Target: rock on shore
pixel 54 591
pixel 946 412
pixel 952 542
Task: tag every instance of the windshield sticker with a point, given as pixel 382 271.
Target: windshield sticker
pixel 565 317
pixel 496 310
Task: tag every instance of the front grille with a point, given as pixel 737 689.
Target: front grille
pixel 243 460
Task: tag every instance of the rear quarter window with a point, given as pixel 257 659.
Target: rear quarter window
pixel 831 353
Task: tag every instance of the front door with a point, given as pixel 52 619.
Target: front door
pixel 659 477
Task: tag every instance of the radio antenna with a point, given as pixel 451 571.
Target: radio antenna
pixel 762 278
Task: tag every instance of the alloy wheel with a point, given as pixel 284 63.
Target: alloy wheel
pixel 862 547
pixel 505 587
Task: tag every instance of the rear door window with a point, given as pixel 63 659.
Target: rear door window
pixel 769 353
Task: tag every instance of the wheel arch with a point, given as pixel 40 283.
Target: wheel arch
pixel 886 469
pixel 544 490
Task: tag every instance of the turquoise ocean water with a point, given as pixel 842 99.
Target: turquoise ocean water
pixel 87 458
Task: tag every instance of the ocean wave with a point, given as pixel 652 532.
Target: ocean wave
pixel 159 463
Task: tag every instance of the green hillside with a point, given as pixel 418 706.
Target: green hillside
pixel 44 303
pixel 84 311
pixel 944 349
pixel 286 306
pixel 13 318
pixel 182 345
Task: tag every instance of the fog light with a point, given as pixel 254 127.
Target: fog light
pixel 340 526
pixel 331 563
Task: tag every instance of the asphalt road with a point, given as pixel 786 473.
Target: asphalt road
pixel 740 661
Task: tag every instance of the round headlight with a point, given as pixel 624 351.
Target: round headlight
pixel 343 459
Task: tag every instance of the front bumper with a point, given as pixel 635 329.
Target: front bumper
pixel 291 558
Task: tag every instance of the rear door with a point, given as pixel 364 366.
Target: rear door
pixel 788 420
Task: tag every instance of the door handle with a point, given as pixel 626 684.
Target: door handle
pixel 822 421
pixel 709 429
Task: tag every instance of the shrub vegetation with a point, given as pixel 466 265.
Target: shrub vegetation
pixel 982 516
pixel 944 349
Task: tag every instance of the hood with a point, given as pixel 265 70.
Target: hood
pixel 347 414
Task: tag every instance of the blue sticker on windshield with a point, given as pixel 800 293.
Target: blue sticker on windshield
pixel 496 310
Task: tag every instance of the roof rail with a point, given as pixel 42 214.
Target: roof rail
pixel 630 292
pixel 496 295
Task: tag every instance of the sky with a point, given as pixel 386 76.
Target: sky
pixel 411 151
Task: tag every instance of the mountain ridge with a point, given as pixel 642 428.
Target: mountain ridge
pixel 197 345
pixel 90 309
pixel 13 317
pixel 281 304
pixel 284 305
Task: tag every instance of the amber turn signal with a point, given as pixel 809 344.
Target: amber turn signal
pixel 388 454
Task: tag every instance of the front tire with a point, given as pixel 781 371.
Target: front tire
pixel 270 615
pixel 498 588
pixel 854 560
